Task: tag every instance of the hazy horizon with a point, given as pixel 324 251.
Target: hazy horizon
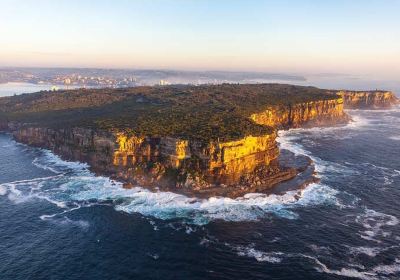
pixel 361 37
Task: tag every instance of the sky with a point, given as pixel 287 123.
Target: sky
pixel 291 36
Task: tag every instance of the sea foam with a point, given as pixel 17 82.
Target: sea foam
pixel 73 184
pixel 3 190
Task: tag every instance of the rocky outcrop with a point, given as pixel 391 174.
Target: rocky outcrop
pixel 229 168
pixel 315 113
pixel 368 99
pixel 168 163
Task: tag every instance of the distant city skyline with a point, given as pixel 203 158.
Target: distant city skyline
pixel 353 37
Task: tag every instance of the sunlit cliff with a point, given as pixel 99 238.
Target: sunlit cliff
pixel 322 112
pixel 368 99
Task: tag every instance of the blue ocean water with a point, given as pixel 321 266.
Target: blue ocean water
pixel 59 221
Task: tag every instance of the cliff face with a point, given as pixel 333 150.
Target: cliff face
pixel 85 145
pixel 230 160
pixel 368 99
pixel 315 113
pixel 162 162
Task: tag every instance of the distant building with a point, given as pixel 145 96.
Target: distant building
pixel 163 83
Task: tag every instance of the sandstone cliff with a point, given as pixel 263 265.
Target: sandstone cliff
pixel 314 113
pixel 368 99
pixel 169 163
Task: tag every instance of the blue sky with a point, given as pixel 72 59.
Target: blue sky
pixel 350 36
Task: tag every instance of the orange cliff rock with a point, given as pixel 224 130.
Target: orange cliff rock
pixel 229 160
pixel 315 113
pixel 217 162
pixel 368 99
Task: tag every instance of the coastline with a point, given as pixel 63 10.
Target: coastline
pixel 208 168
pixel 287 166
pixel 166 205
pixel 297 171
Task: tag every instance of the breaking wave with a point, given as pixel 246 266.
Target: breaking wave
pixel 74 186
pixel 292 140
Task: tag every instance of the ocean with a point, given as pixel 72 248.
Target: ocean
pixel 60 221
pixel 8 89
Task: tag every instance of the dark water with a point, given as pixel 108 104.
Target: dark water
pixel 58 221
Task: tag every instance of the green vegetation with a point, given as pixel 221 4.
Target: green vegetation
pixel 192 112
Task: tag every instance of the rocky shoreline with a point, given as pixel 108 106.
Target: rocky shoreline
pixel 283 169
pixel 232 169
pixel 195 168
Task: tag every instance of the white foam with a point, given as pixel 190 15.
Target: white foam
pixel 167 205
pixel 79 223
pixel 15 195
pixel 60 204
pixel 153 256
pixel 374 273
pixel 65 221
pixel 33 180
pixel 394 109
pixel 153 223
pixel 369 251
pixel 3 190
pixel 388 269
pixel 51 216
pixel 321 249
pixel 25 190
pixel 77 185
pixel 387 181
pixel 288 140
pixel 36 163
pixel 260 256
pixel 347 272
pixel 357 122
pixel 54 163
pixel 374 223
pixel 353 270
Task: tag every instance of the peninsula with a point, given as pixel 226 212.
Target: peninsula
pixel 198 140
